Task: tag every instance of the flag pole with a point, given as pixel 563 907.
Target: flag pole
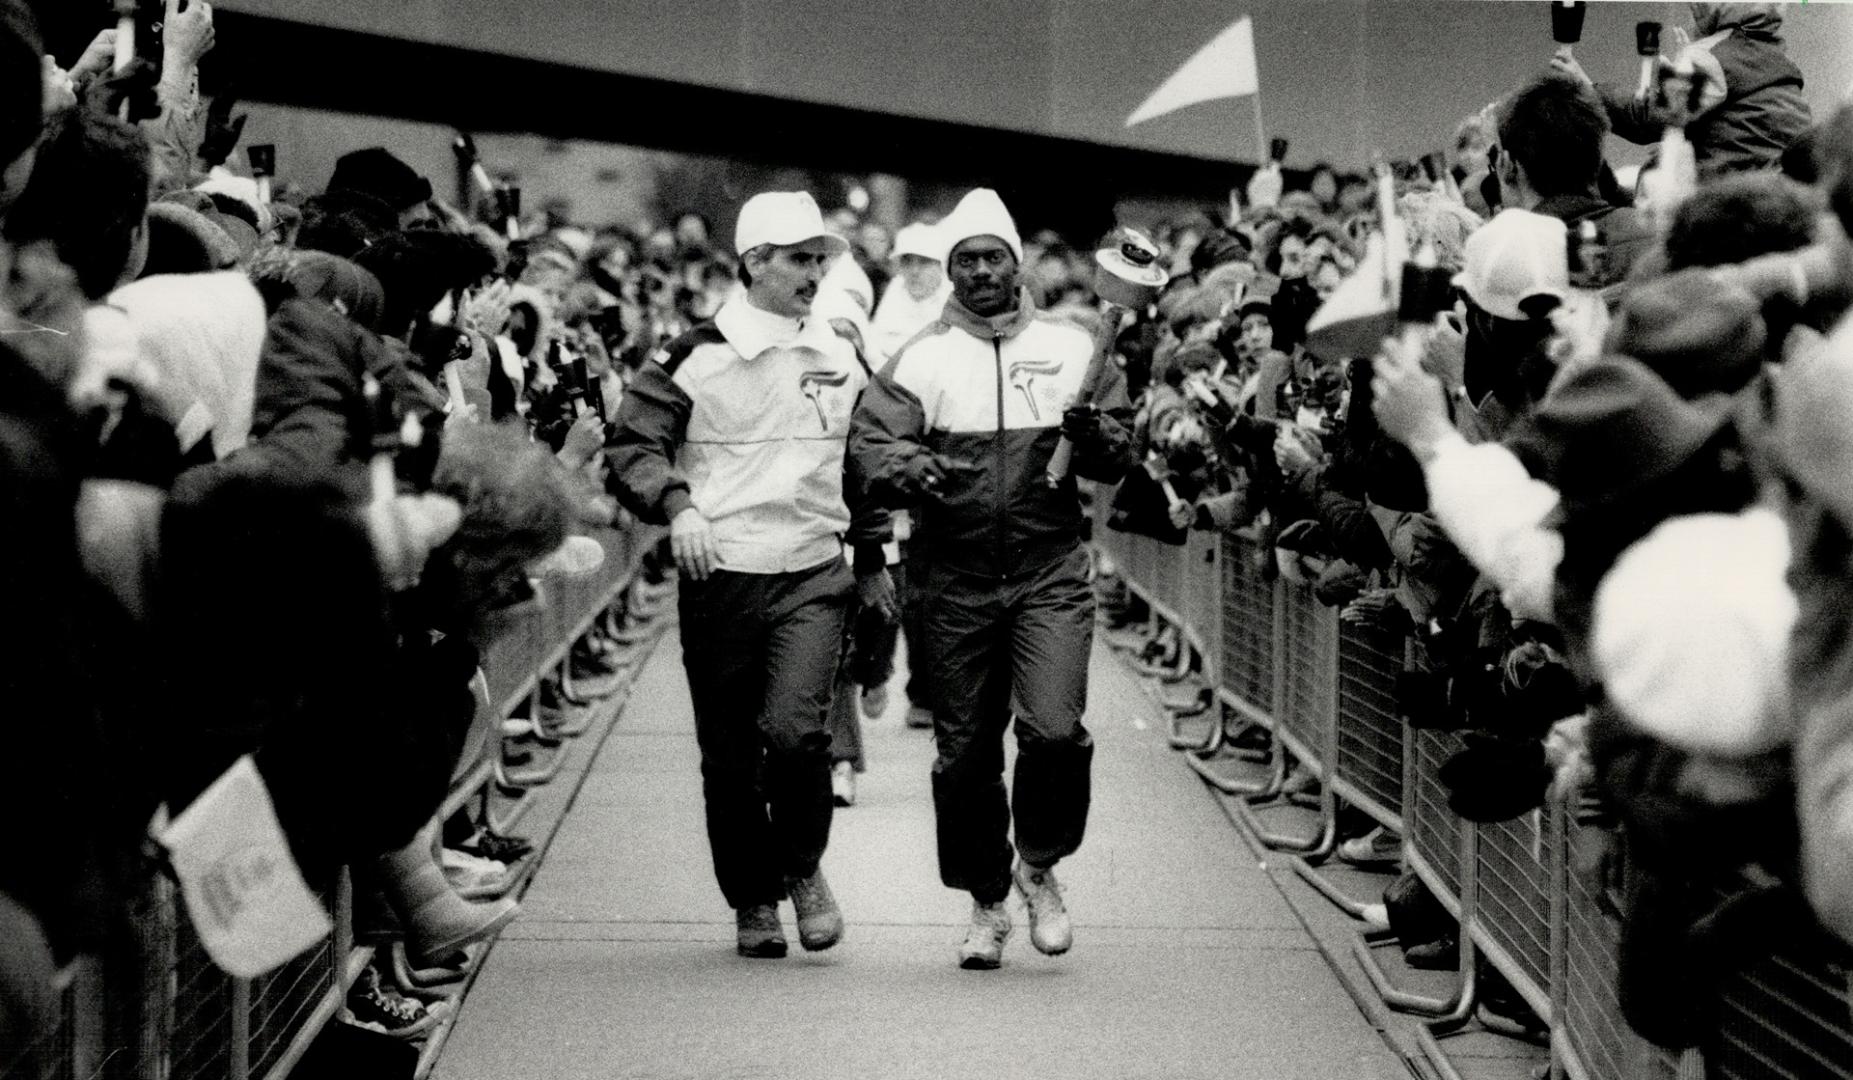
pixel 1261 131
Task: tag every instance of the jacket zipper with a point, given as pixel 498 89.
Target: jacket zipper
pixel 1003 478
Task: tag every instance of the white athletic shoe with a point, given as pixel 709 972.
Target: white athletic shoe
pixel 843 783
pixel 1049 928
pixel 983 949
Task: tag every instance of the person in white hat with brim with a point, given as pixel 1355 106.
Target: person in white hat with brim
pixel 966 419
pixel 918 292
pixel 735 437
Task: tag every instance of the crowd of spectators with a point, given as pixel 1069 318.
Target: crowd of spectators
pixel 206 387
pixel 1593 465
pixel 279 467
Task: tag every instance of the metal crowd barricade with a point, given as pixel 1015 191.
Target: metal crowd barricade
pixel 1367 771
pixel 1247 669
pixel 157 1008
pixel 1326 693
pixel 1516 860
pixel 1306 722
pixel 1786 1014
pixel 1591 1040
pixel 1442 851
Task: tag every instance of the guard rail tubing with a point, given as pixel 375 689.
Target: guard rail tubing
pixel 1324 691
pixel 154 1006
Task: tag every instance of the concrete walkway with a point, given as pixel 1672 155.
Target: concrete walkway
pixel 1187 961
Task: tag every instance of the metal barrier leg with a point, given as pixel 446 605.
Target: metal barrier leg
pixel 1266 788
pixel 1141 632
pixel 504 823
pixel 1317 847
pixel 1357 909
pixel 1212 736
pixel 1402 1000
pixel 536 776
pixel 579 720
pixel 1450 1012
pixel 1173 664
pixel 1201 698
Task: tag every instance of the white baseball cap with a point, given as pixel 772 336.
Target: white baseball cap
pixel 1514 257
pixel 782 218
pixel 918 239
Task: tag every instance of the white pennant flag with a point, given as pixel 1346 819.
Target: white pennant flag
pixel 244 894
pixel 1224 68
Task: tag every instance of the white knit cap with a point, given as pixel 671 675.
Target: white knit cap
pixel 980 213
pixel 1691 633
pixel 782 218
pixel 918 239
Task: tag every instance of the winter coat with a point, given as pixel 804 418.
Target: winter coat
pixel 990 392
pixel 310 412
pixel 1626 235
pixel 1762 110
pixel 746 418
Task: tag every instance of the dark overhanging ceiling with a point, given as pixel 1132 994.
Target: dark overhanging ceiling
pixel 1074 182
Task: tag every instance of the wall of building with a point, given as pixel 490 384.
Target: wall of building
pixel 1341 78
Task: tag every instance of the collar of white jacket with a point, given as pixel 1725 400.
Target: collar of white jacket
pixel 752 330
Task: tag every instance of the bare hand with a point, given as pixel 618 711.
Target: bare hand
pixel 1409 403
pixel 691 539
pixel 876 592
pixel 486 311
pixel 187 35
pixel 1445 355
pixel 1565 61
pixel 583 440
pixel 1180 513
pixel 98 58
pixel 1368 609
pixel 1293 453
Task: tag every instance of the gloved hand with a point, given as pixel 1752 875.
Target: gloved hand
pixel 924 474
pixel 222 130
pixel 1093 432
pixel 876 593
pixel 134 85
pixel 1081 424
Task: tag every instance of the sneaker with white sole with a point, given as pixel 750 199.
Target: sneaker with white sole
pixel 843 784
pixel 1049 927
pixel 1378 847
pixel 874 702
pixel 983 948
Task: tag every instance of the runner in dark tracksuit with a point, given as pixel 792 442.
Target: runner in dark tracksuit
pixel 961 424
pixel 736 437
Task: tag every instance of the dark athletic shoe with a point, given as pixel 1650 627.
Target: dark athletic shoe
pixel 820 923
pixel 760 934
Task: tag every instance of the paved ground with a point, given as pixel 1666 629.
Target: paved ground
pixel 1188 961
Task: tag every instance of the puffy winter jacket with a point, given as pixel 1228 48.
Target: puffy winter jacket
pixel 991 393
pixel 747 420
pixel 1760 111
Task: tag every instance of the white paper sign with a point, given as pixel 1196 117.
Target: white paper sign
pixel 243 891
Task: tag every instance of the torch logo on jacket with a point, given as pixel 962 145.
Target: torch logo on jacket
pixel 1023 376
pixel 812 384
